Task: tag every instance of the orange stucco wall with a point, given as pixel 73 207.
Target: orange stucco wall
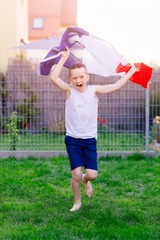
pixel 56 14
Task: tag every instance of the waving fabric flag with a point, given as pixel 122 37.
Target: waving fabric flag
pixel 98 55
pixel 142 77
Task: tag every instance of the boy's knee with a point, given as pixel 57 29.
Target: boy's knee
pixel 77 173
pixel 92 175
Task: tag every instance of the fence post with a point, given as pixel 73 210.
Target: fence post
pixel 147 120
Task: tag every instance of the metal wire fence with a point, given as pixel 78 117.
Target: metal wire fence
pixel 39 113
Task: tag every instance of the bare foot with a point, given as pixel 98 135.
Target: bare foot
pixel 75 208
pixel 88 187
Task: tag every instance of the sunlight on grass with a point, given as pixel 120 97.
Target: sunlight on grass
pixel 36 197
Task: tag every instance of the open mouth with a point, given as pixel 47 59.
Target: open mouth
pixel 79 85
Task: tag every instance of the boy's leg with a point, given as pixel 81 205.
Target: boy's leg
pixel 76 187
pixel 90 164
pixel 90 175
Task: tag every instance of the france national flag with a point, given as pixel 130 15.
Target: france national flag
pixel 98 55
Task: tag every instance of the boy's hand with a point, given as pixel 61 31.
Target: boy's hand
pixel 134 68
pixel 65 55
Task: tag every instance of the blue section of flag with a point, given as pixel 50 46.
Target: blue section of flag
pixel 71 40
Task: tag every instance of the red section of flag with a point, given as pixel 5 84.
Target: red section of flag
pixel 142 77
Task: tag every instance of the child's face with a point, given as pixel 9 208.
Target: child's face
pixel 79 78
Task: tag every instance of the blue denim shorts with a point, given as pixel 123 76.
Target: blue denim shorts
pixel 82 152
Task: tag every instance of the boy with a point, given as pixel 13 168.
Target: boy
pixel 81 122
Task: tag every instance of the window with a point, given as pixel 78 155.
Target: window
pixel 38 23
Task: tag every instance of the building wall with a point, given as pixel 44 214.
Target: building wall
pixel 49 11
pixel 17 17
pixel 68 13
pixel 21 20
pixel 13 27
pixel 55 15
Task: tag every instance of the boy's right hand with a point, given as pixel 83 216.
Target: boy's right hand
pixel 65 55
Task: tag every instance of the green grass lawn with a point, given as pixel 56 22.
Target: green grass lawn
pixel 35 198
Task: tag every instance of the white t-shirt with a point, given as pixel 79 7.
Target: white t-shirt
pixel 81 113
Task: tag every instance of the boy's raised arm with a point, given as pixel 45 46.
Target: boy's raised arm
pixel 101 89
pixel 56 70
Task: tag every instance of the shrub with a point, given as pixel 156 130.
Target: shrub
pixel 155 131
pixel 13 131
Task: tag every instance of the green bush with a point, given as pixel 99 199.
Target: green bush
pixel 13 131
pixel 155 131
pixel 154 104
